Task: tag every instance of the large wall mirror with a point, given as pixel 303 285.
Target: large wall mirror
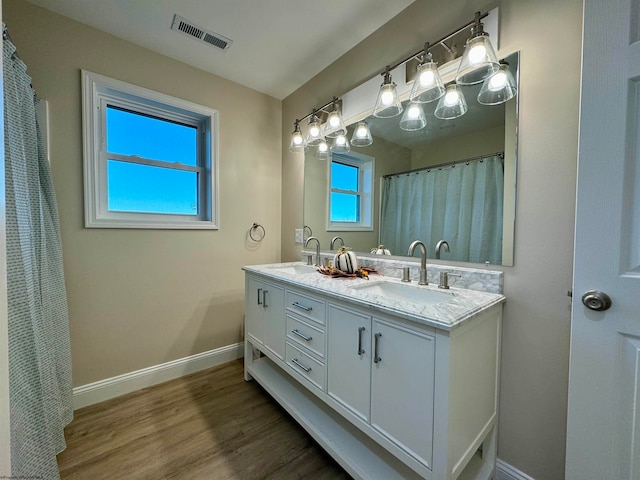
pixel 453 180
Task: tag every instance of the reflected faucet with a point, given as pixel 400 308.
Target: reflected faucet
pixel 333 240
pixel 423 260
pixel 306 243
pixel 439 245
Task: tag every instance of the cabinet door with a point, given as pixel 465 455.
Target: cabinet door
pixel 253 309
pixel 274 319
pixel 349 359
pixel 402 386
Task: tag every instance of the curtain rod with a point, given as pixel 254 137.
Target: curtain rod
pixel 410 57
pixel 448 164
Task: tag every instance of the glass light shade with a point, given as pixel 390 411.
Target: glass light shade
pixel 498 88
pixel 387 104
pixel 452 104
pixel 413 118
pixel 340 144
pixel 298 143
pixel 335 125
pixel 361 135
pixel 478 61
pixel 323 152
pixel 427 85
pixel 314 134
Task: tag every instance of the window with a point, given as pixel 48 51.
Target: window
pixel 350 196
pixel 149 159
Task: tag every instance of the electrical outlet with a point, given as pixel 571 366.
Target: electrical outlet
pixel 299 235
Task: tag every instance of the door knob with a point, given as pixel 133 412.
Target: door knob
pixel 595 300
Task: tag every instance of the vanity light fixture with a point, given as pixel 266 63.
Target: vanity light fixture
pixel 314 135
pixel 452 104
pixel 427 86
pixel 499 87
pixel 387 104
pixel 340 144
pixel 298 143
pixel 479 60
pixel 413 118
pixel 334 125
pixel 361 135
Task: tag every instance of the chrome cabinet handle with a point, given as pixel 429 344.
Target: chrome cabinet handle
pixel 303 307
pixel 264 298
pixel 360 332
pixel 303 367
pixel 306 338
pixel 376 356
pixel 259 293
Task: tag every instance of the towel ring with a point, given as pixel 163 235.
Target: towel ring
pixel 258 227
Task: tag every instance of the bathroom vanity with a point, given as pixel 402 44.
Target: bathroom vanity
pixel 394 380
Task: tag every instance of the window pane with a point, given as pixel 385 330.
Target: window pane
pixel 344 177
pixel 345 207
pixel 147 189
pixel 130 133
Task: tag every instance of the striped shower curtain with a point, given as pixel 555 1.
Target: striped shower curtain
pixel 39 345
pixel 461 204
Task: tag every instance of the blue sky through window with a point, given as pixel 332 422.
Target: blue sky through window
pixel 344 207
pixel 145 188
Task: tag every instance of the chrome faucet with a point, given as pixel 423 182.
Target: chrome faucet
pixel 423 260
pixel 441 244
pixel 334 239
pixel 306 243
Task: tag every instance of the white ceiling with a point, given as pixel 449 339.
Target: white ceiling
pixel 278 45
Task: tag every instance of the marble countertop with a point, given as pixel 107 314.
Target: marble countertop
pixel 461 305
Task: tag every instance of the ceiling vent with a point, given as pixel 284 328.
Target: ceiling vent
pixel 181 24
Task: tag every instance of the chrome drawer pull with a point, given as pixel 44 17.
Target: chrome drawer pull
pixel 304 367
pixel 376 357
pixel 360 332
pixel 306 338
pixel 303 307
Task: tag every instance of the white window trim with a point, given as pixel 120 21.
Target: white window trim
pixel 95 89
pixel 363 162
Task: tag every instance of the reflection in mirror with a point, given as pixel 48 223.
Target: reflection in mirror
pixel 452 180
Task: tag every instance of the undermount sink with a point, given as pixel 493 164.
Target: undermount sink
pixel 405 293
pixel 295 269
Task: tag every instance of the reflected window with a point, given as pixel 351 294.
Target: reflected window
pixel 350 196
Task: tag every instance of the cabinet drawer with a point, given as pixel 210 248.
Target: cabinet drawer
pixel 310 337
pixel 305 365
pixel 305 306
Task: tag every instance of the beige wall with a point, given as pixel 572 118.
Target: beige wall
pixel 138 298
pixel 536 316
pixel 459 147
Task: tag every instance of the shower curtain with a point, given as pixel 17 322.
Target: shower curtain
pixel 462 205
pixel 39 346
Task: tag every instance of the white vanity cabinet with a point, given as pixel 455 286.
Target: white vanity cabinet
pixel 265 320
pixel 383 373
pixel 387 396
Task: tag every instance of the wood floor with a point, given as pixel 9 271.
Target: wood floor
pixel 209 425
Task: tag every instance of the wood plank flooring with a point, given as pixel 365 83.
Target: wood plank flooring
pixel 207 425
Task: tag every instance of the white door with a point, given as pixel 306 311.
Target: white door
pixel 349 359
pixel 402 384
pixel 603 433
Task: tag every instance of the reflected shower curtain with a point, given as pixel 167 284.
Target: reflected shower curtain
pixel 462 205
pixel 39 347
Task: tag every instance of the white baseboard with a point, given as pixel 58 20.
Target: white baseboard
pixel 129 382
pixel 504 471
